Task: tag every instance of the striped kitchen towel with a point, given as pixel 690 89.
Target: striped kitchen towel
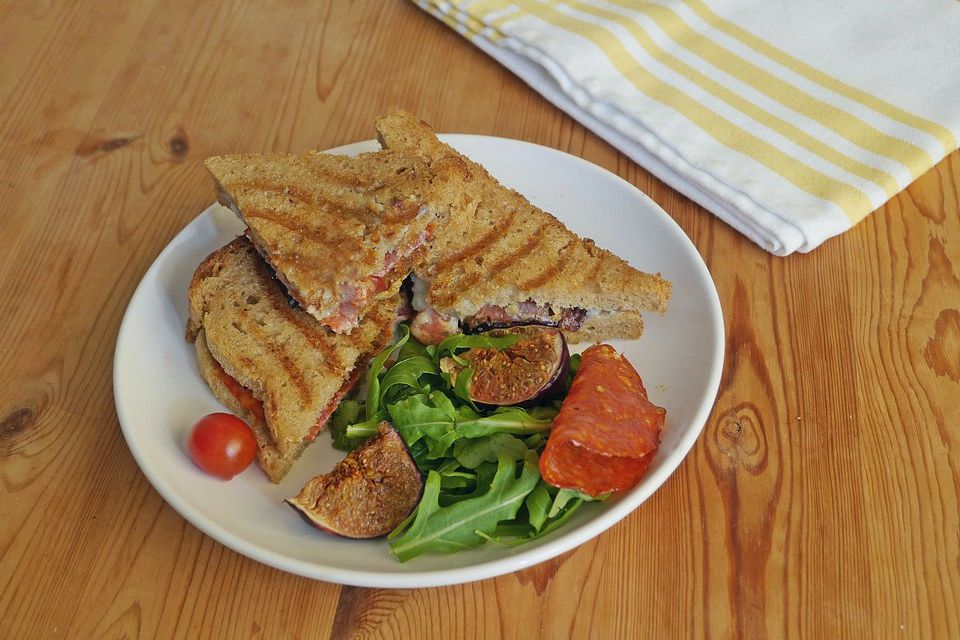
pixel 791 121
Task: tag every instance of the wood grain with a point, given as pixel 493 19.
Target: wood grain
pixel 821 500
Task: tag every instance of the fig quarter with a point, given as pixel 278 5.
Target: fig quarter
pixel 368 493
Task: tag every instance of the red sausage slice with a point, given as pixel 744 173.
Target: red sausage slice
pixel 606 432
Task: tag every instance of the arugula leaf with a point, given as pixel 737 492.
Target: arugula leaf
pixel 435 418
pixel 538 504
pixel 508 535
pixel 429 504
pixel 543 412
pixel 373 388
pixel 412 413
pixel 460 342
pixel 461 388
pixel 357 432
pixel 481 465
pixel 553 523
pixel 575 363
pixel 406 376
pixel 537 523
pixel 471 452
pixel 536 441
pixel 453 528
pixel 457 480
pixel 446 405
pixel 485 474
pixel 566 495
pixel 344 415
pixel 419 452
pixel 413 347
pixel 504 420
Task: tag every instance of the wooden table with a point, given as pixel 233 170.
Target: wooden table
pixel 821 500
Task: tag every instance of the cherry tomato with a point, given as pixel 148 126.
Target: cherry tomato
pixel 222 445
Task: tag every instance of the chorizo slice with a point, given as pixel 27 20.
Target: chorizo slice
pixel 606 432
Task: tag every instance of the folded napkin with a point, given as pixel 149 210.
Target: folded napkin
pixel 790 121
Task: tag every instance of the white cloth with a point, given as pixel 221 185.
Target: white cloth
pixel 790 121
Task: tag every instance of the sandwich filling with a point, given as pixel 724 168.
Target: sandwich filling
pixel 528 312
pixel 243 395
pixel 355 298
pixel 429 326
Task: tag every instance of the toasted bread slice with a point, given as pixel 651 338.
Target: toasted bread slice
pixel 509 253
pixel 269 361
pixel 341 232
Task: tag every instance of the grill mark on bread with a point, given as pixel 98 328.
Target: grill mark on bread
pixel 335 192
pixel 476 247
pixel 623 286
pixel 296 228
pixel 449 296
pixel 286 361
pixel 342 219
pixel 551 271
pixel 254 304
pixel 284 220
pixel 315 335
pixel 401 210
pixel 543 277
pixel 594 272
pixel 344 171
pixel 296 225
pixel 277 302
pixel 524 249
pixel 290 191
pixel 307 327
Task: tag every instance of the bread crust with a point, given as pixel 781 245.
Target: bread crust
pixel 625 325
pixel 508 250
pixel 339 230
pixel 274 463
pixel 283 356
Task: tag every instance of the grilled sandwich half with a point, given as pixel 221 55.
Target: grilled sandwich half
pixel 510 262
pixel 341 232
pixel 267 360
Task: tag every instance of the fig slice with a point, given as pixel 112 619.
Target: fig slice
pixel 530 371
pixel 368 493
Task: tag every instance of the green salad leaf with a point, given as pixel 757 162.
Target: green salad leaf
pixel 345 414
pixel 373 382
pixel 471 452
pixel 481 465
pixel 575 364
pixel 414 374
pixel 454 528
pixel 538 505
pixel 507 420
pixel 452 346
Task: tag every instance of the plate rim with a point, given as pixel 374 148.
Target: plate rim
pixel 600 523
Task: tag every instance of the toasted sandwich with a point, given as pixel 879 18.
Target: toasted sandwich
pixel 267 360
pixel 340 232
pixel 509 262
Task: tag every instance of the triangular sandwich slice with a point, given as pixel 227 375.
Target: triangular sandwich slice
pixel 267 360
pixel 341 232
pixel 509 262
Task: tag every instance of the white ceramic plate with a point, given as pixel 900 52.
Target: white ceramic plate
pixel 159 392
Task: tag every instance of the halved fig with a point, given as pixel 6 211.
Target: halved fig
pixel 530 371
pixel 368 493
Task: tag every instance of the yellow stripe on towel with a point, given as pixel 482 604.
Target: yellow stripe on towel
pixel 842 123
pixel 787 129
pixel 852 201
pixel 942 134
